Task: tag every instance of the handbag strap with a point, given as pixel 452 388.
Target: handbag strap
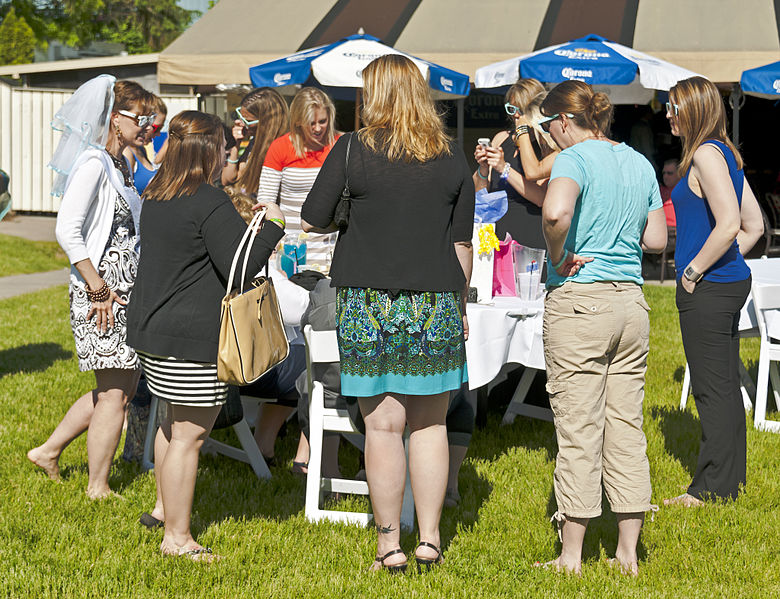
pixel 346 165
pixel 250 230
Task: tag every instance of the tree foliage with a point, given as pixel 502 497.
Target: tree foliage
pixel 17 40
pixel 142 25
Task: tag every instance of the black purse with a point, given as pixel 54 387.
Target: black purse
pixel 341 214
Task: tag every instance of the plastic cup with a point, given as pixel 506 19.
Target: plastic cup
pixel 528 271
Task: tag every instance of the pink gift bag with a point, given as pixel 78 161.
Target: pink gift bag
pixel 504 268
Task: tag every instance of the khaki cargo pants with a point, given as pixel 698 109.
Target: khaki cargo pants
pixel 596 340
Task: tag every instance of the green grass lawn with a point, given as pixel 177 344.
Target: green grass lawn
pixel 21 256
pixel 54 542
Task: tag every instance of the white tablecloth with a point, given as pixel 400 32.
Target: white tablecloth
pixel 510 330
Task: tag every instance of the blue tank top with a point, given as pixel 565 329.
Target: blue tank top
pixel 142 176
pixel 695 222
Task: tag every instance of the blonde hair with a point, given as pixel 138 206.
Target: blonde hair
pixel 267 106
pixel 400 117
pixel 193 157
pixel 528 95
pixel 242 201
pixel 302 110
pixel 592 110
pixel 701 116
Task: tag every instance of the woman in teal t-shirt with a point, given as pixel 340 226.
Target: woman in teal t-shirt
pixel 602 209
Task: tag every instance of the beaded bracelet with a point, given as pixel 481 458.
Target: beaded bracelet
pixel 521 130
pixel 99 295
pixel 505 172
pixel 232 161
pixel 278 221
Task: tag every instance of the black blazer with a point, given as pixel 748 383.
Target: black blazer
pixel 187 246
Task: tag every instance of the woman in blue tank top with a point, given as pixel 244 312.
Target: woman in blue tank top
pixel 718 221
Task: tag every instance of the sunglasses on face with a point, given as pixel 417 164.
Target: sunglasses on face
pixel 145 120
pixel 545 122
pixel 672 109
pixel 243 118
pixel 511 109
pixel 156 128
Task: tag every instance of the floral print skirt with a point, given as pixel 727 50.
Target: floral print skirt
pixel 405 342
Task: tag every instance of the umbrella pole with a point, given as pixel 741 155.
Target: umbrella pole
pixel 736 100
pixel 358 98
pixel 460 104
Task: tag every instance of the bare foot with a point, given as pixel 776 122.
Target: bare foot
pixel 193 551
pixel 684 500
pixel 626 568
pixel 98 494
pixel 47 464
pixel 558 565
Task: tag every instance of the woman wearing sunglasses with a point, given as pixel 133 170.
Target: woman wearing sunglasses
pixel 97 226
pixel 602 209
pixel 718 221
pixel 515 160
pixel 142 167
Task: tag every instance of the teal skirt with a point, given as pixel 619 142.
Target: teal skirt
pixel 410 342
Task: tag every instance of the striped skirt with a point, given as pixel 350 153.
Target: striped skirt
pixel 183 383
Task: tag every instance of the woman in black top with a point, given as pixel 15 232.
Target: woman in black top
pixel 401 268
pixel 191 231
pixel 515 161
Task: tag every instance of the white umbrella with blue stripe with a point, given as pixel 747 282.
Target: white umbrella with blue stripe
pixel 631 76
pixel 340 65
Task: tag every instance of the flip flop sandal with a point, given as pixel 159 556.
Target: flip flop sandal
pixel 298 468
pixel 150 521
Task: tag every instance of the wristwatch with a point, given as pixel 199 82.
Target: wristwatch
pixel 692 275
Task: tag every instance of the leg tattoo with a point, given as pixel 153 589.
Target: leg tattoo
pixel 384 530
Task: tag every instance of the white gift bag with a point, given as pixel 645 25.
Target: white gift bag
pixel 482 267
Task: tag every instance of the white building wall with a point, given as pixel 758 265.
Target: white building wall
pixel 27 141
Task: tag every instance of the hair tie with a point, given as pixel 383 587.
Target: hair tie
pixel 175 134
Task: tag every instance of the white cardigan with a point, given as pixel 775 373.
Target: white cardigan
pixel 87 209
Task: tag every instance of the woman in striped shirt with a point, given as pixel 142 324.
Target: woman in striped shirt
pixel 294 160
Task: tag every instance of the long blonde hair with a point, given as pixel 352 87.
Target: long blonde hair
pixel 302 110
pixel 400 117
pixel 267 106
pixel 701 116
pixel 528 95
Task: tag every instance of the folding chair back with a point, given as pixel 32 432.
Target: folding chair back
pixel 766 299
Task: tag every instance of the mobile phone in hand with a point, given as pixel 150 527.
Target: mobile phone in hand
pixel 484 141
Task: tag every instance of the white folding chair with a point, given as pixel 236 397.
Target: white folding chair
pixel 322 347
pixel 765 299
pixel 249 452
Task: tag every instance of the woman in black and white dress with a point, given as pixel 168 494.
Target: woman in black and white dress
pixel 191 231
pixel 97 226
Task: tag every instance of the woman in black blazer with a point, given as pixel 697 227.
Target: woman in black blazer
pixel 191 231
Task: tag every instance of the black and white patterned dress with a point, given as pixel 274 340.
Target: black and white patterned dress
pixel 118 267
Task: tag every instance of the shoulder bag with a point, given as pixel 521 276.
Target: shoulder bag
pixel 341 214
pixel 251 331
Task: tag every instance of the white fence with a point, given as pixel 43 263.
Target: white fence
pixel 27 141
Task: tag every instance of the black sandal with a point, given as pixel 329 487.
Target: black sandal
pixel 426 563
pixel 396 569
pixel 150 521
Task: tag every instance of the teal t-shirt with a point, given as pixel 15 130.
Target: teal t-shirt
pixel 617 190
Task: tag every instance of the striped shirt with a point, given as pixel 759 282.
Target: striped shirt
pixel 183 383
pixel 287 179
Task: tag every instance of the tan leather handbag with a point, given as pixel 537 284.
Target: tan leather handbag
pixel 251 331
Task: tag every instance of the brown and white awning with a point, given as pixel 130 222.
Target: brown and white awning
pixel 717 38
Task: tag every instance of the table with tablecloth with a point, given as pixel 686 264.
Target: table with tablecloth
pixel 509 330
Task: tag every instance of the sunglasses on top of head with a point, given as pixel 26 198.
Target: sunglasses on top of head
pixel 243 118
pixel 142 120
